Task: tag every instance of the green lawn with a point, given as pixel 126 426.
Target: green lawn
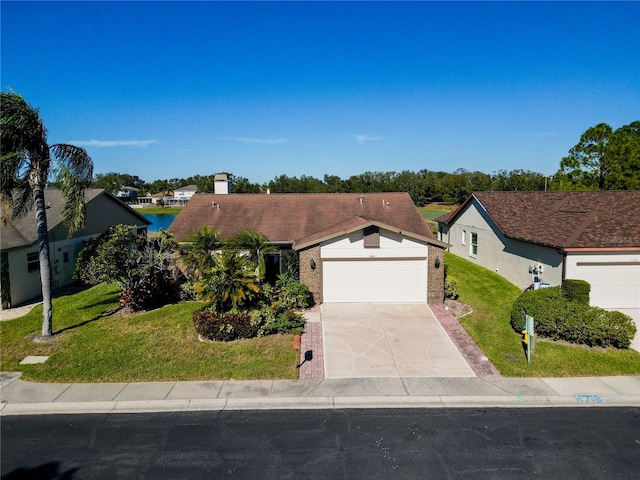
pixel 157 345
pixel 432 211
pixel 160 210
pixel 491 297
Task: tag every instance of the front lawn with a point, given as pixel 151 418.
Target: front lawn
pixel 491 297
pixel 158 345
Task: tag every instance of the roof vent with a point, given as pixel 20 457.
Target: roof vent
pixel 361 199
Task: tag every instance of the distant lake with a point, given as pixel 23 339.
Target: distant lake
pixel 160 222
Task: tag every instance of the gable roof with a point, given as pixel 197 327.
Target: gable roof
pixel 187 188
pixel 22 231
pixel 581 220
pixel 296 218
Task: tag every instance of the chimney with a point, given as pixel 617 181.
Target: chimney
pixel 221 184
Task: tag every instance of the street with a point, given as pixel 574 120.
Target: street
pixel 556 443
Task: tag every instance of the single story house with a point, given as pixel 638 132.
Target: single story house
pixel 373 247
pixel 19 241
pixel 592 236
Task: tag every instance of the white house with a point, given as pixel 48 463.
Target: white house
pixel 185 193
pixel 592 236
pixel 19 254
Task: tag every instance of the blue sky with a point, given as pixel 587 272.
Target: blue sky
pixel 174 89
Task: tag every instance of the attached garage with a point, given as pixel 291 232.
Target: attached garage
pixel 375 280
pixel 614 280
pixel 612 285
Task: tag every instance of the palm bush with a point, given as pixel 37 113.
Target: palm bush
pixel 229 283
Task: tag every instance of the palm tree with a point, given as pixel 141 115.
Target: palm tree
pixel 203 246
pixel 229 283
pixel 27 163
pixel 254 247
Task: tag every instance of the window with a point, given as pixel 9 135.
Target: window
pixel 473 251
pixel 371 237
pixel 33 262
pixel 464 237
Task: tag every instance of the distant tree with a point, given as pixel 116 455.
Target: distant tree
pixel 242 185
pixel 27 162
pixel 603 159
pixel 114 182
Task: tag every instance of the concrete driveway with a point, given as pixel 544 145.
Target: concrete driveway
pixel 387 340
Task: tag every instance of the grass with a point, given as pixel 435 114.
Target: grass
pixel 491 297
pixel 158 345
pixel 434 210
pixel 160 210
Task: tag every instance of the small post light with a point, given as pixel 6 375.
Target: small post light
pixel 312 264
pixel 437 262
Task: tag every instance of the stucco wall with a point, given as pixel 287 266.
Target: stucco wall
pixel 507 257
pixel 392 245
pixel 26 286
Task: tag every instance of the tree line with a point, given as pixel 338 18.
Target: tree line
pixel 603 159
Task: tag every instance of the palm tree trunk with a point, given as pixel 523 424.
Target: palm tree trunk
pixel 45 265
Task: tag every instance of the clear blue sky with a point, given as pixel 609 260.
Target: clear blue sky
pixel 165 90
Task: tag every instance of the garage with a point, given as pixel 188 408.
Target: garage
pixel 374 280
pixel 613 285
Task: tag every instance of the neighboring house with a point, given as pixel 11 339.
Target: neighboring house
pixel 20 263
pixel 592 236
pixel 373 247
pixel 128 194
pixel 185 193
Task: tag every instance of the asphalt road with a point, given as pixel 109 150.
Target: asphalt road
pixel 549 443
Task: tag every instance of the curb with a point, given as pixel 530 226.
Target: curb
pixel 320 403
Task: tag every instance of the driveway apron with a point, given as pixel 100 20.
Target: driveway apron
pixel 387 340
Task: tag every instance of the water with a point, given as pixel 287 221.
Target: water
pixel 160 222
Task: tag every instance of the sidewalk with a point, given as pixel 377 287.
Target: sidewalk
pixel 20 397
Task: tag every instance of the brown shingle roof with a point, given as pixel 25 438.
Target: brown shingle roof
pixel 293 217
pixel 591 219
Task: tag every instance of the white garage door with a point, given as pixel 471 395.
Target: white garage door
pixel 392 281
pixel 612 286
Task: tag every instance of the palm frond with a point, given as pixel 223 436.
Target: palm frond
pixel 76 160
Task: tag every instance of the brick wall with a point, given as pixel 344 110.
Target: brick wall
pixel 435 279
pixel 312 278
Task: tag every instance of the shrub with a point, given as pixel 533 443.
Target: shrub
pixel 291 294
pixel 576 290
pixel 451 289
pixel 224 327
pixel 270 320
pixel 560 319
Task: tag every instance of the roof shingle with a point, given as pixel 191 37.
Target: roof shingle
pixel 589 219
pixel 293 217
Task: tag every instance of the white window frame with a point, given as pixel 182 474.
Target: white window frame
pixel 473 245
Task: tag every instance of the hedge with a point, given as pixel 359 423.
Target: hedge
pixel 576 290
pixel 560 319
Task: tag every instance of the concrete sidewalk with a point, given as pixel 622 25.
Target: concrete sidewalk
pixel 20 397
